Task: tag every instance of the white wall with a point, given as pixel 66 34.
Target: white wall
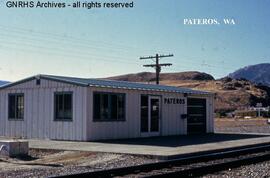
pixel 110 130
pixel 39 114
pixel 171 122
pixel 38 119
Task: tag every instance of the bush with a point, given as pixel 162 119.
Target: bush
pixel 223 112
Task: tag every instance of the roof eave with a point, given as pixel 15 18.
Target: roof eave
pixel 63 80
pixel 157 90
pixel 41 77
pixel 18 82
pixel 46 77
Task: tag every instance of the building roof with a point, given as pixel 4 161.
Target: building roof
pixel 110 84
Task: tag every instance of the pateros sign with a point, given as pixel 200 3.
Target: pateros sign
pixel 174 101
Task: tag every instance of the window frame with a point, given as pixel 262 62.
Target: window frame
pixel 16 104
pixel 54 106
pixel 110 119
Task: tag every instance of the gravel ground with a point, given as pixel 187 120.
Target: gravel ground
pixel 243 126
pixel 66 162
pixel 44 163
pixel 259 170
pixel 195 165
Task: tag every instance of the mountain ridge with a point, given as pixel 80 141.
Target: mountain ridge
pixel 2 82
pixel 258 73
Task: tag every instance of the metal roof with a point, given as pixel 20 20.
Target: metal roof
pixel 3 83
pixel 112 84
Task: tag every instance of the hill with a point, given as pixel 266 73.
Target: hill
pixel 259 73
pixel 151 77
pixel 231 93
pixel 3 82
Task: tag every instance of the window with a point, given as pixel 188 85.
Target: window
pixel 63 106
pixel 15 106
pixel 109 107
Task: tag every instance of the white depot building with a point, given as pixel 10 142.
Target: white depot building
pixel 68 108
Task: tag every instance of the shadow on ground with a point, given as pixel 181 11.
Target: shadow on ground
pixel 184 140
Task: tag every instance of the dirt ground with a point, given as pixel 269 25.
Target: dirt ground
pixel 252 125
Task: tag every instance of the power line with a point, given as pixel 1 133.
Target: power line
pixel 67 42
pixel 67 55
pixel 83 43
pixel 63 50
pixel 78 53
pixel 157 65
pixel 72 39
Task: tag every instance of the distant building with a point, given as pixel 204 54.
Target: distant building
pixel 68 108
pixel 253 112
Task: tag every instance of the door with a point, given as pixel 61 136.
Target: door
pixel 150 115
pixel 196 121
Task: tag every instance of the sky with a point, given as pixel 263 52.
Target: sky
pixel 107 42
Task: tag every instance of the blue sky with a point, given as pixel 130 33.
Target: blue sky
pixel 107 42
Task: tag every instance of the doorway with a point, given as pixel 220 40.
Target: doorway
pixel 196 121
pixel 150 115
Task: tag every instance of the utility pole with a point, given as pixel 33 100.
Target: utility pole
pixel 157 65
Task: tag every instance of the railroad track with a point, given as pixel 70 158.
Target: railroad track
pixel 193 166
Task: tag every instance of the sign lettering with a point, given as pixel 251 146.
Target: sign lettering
pixel 174 101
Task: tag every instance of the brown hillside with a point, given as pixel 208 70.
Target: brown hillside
pixel 231 93
pixel 149 77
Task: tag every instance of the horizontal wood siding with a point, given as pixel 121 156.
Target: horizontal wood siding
pixel 39 112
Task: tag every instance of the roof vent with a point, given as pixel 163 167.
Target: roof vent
pixel 37 80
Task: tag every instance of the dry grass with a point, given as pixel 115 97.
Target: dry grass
pixel 226 98
pixel 232 122
pixel 253 125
